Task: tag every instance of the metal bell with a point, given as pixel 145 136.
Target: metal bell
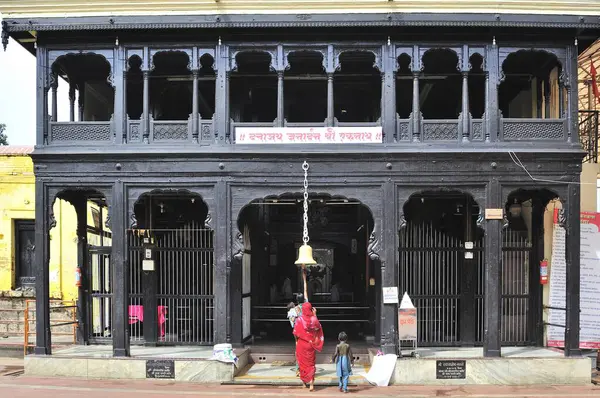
pixel 305 256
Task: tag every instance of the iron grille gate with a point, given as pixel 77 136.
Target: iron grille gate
pixel 99 277
pixel 446 289
pixel 516 256
pixel 184 284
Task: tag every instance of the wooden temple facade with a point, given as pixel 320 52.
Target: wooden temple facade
pixel 459 129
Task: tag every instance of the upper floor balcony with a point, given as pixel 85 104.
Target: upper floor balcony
pixel 398 93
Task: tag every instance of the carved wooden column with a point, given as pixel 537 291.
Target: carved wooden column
pixel 572 225
pixel 80 205
pixel 71 101
pixel 389 265
pixel 280 100
pixel 572 94
pixel 41 108
pixel 54 87
pixel 146 108
pixel 547 99
pixel 120 266
pixel 222 95
pixel 330 110
pixel 222 258
pixel 81 100
pixel 493 273
pixel 44 221
pixel 492 111
pixel 486 115
pixel 465 114
pixel 416 111
pixel 119 82
pixel 195 123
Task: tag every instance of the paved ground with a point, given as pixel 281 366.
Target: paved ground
pixel 26 387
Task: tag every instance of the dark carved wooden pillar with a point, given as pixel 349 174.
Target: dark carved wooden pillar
pixel 120 267
pixel 572 255
pixel 222 95
pixel 547 98
pixel 535 323
pixel 71 101
pixel 195 124
pixel 492 111
pixel 466 134
pixel 493 273
pixel 54 86
pixel 44 221
pixel 388 95
pixel 81 100
pixel 416 110
pixel 572 94
pixel 120 84
pixel 465 113
pixel 280 100
pixel 80 204
pixel 41 109
pixel 486 117
pixel 222 258
pixel 389 266
pixel 146 108
pixel 330 110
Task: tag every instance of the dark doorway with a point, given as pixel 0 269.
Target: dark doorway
pixel 171 299
pixel 338 287
pixel 24 248
pixel 442 267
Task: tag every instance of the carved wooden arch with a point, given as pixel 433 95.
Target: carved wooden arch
pixel 134 54
pixel 550 193
pixel 476 193
pixel 134 194
pixel 154 52
pixel 55 58
pixel 477 51
pixel 287 51
pixel 372 202
pixel 424 50
pixel 409 52
pixel 560 54
pixel 55 192
pixel 375 51
pixel 234 52
pixel 202 52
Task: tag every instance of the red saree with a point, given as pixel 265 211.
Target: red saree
pixel 310 340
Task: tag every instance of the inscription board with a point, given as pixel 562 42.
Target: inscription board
pixel 160 369
pixel 451 369
pixel 494 214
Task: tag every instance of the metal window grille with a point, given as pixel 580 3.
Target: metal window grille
pixel 184 264
pixel 100 287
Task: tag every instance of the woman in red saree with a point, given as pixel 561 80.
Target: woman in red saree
pixel 310 340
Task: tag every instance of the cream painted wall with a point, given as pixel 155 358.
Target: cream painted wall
pixel 63 8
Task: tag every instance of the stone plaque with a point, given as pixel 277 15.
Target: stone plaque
pixel 451 369
pixel 160 369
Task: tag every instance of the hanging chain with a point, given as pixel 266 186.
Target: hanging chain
pixel 305 237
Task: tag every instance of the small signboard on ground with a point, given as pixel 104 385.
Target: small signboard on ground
pixel 160 369
pixel 451 369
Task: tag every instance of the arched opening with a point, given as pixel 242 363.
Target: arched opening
pixel 341 287
pixel 532 87
pixel 442 267
pixel 526 241
pixel 357 88
pixel 80 238
pixel 171 86
pixel 440 89
pixel 91 94
pixel 171 265
pixel 135 88
pixel 305 88
pixel 253 88
pixel 207 80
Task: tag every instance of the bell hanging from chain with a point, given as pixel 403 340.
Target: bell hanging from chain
pixel 305 256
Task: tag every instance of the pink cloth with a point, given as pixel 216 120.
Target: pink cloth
pixel 136 314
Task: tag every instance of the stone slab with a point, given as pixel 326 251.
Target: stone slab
pixel 286 375
pixel 498 371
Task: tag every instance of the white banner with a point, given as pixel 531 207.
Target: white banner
pixel 308 135
pixel 589 300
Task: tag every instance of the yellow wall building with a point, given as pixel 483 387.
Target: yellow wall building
pixel 17 212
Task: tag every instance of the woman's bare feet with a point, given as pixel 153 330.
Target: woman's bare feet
pixel 312 386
